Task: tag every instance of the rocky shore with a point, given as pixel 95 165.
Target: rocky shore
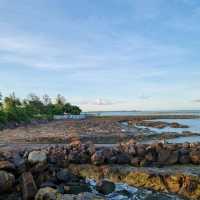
pixel 160 124
pixel 60 172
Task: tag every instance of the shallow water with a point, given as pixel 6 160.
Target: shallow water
pixel 189 139
pixel 194 125
pixel 137 113
pixel 125 192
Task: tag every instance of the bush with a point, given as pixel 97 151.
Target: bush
pixel 12 109
pixel 3 119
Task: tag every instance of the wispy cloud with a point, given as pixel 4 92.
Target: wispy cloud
pixel 100 102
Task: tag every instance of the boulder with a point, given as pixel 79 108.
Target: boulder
pixel 19 163
pixel 163 156
pixel 6 165
pixel 47 194
pixel 64 175
pixel 195 156
pixel 105 187
pixel 97 158
pixel 173 158
pixel 123 158
pixel 29 188
pixel 6 181
pixel 37 157
pixel 140 149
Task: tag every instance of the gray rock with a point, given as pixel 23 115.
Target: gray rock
pixel 47 194
pixel 37 157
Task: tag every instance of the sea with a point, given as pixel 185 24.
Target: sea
pixel 136 113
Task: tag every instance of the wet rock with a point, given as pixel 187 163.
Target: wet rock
pixel 77 187
pixel 6 165
pixel 47 194
pixel 29 187
pixel 177 125
pixel 37 157
pixel 6 181
pixel 105 187
pixel 90 196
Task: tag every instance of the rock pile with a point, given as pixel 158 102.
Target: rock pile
pixel 44 173
pixel 36 175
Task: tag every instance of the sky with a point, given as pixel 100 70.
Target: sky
pixel 103 54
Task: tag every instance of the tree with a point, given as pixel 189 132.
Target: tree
pixel 60 100
pixel 33 105
pixel 11 102
pixel 1 103
pixel 46 100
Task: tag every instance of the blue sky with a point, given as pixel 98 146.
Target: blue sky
pixel 103 54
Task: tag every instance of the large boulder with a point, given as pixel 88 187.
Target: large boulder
pixel 64 175
pixel 37 157
pixel 47 193
pixel 168 157
pixel 29 188
pixel 105 187
pixel 6 181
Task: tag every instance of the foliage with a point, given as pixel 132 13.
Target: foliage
pixel 12 109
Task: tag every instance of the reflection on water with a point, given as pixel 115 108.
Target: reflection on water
pixel 190 139
pixel 194 125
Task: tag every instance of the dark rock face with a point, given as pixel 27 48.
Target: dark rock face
pixel 105 187
pixel 6 181
pixel 6 165
pixel 29 188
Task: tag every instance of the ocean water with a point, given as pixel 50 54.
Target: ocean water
pixel 194 125
pixel 138 113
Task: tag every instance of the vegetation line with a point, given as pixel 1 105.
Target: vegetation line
pixel 17 111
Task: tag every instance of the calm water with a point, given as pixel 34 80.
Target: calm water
pixel 136 113
pixel 190 139
pixel 194 125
